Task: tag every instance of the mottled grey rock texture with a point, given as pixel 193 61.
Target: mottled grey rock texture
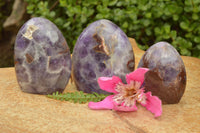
pixel 42 57
pixel 102 50
pixel 167 76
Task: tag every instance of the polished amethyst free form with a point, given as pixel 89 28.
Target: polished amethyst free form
pixel 102 50
pixel 42 57
pixel 167 75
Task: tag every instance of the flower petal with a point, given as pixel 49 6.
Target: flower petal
pixel 137 75
pixel 107 103
pixel 153 104
pixel 109 83
pixel 124 108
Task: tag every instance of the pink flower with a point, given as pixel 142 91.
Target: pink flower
pixel 125 96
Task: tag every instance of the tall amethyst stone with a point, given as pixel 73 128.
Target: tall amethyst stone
pixel 42 57
pixel 102 50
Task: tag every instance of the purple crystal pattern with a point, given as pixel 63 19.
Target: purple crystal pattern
pixel 102 49
pixel 42 57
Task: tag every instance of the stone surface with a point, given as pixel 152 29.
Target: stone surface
pixel 23 112
pixel 42 57
pixel 167 76
pixel 102 49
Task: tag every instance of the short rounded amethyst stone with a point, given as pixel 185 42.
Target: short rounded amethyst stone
pixel 42 57
pixel 167 76
pixel 102 50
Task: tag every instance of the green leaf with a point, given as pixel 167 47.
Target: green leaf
pixel 66 24
pixel 195 16
pixel 112 2
pixel 83 19
pixel 148 31
pixel 119 3
pixel 189 35
pixel 146 22
pixel 52 14
pixel 167 28
pixel 172 8
pixel 78 97
pixel 196 9
pixel 185 52
pixel 125 25
pixel 197 39
pixel 148 15
pixel 188 2
pixel 188 9
pixel 165 36
pixel 99 16
pixel 105 2
pixel 175 17
pixel 198 47
pixel 158 31
pixel 184 25
pixel 173 34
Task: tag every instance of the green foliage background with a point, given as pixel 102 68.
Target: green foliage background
pixel 148 21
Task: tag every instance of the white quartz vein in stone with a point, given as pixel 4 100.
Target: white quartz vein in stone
pixel 29 31
pixel 52 71
pixel 52 35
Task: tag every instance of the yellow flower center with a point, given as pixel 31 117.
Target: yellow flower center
pixel 131 92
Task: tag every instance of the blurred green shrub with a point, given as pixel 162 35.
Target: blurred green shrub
pixel 148 21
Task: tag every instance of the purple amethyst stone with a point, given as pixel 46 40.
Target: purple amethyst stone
pixel 102 50
pixel 167 76
pixel 42 57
